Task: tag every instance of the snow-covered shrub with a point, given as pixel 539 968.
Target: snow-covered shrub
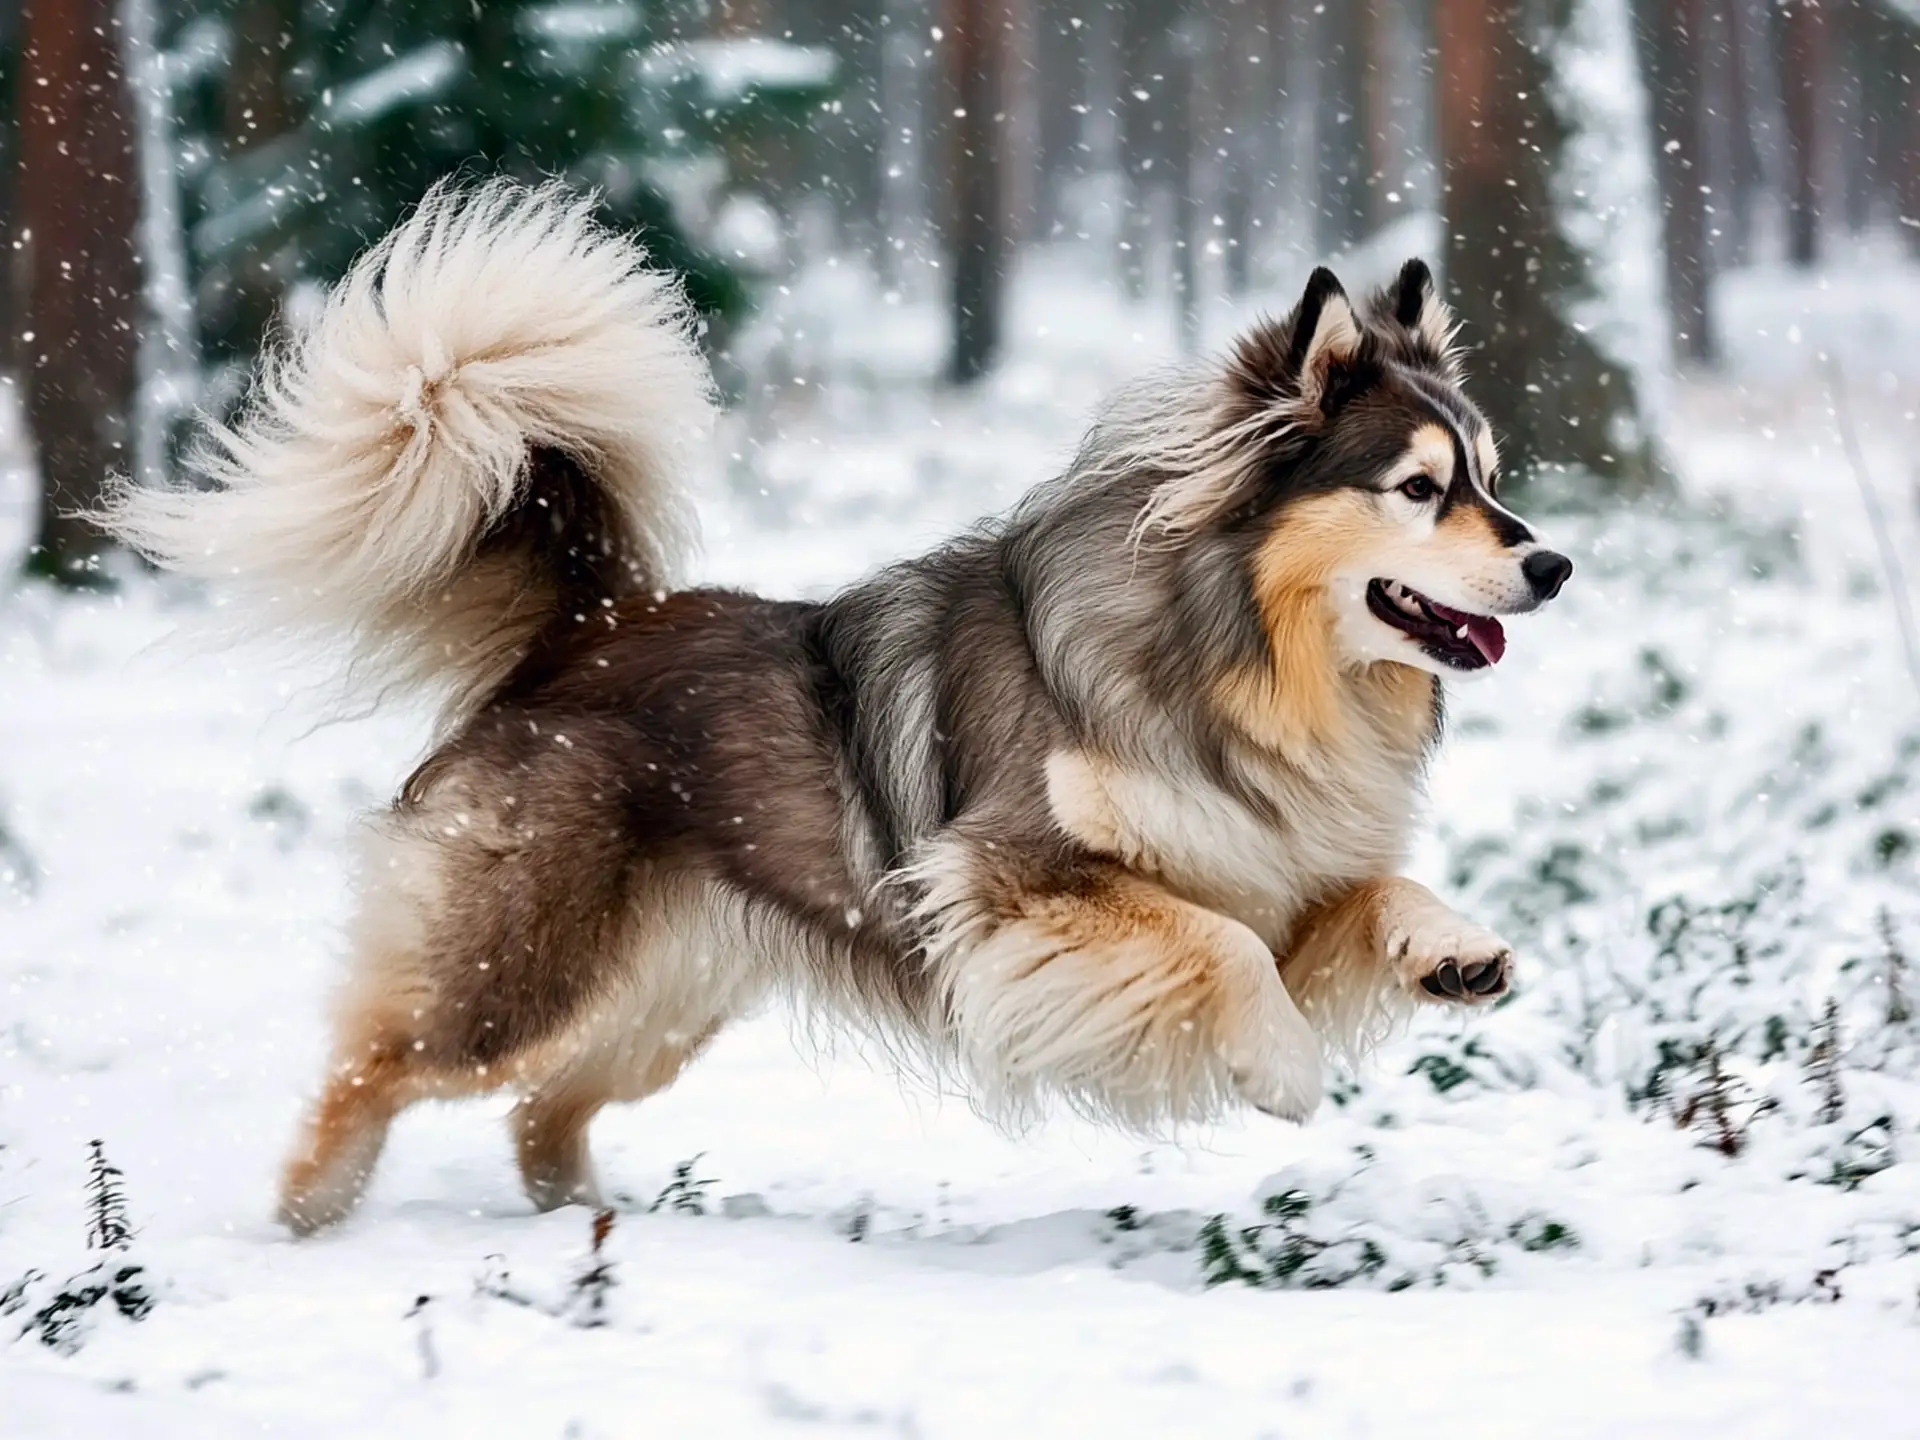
pixel 61 1316
pixel 1374 1226
pixel 1721 880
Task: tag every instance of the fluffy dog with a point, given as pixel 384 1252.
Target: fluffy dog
pixel 1102 801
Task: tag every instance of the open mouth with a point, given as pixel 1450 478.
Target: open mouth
pixel 1453 637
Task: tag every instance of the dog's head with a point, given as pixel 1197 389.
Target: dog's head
pixel 1344 448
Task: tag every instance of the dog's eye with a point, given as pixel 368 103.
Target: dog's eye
pixel 1420 487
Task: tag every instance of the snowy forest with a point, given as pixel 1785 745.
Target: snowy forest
pixel 1668 1186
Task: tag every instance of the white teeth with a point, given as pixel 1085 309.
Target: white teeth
pixel 1461 633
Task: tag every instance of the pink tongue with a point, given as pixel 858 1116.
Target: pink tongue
pixel 1485 632
pixel 1487 636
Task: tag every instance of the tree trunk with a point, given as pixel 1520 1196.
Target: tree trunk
pixel 1850 112
pixel 238 298
pixel 1143 108
pixel 1889 50
pixel 1017 118
pixel 1099 132
pixel 1907 181
pixel 1342 126
pixel 1879 41
pixel 1380 94
pixel 1059 88
pixel 1244 72
pixel 837 154
pixel 1186 76
pixel 79 202
pixel 1523 278
pixel 1803 69
pixel 1746 166
pixel 13 277
pixel 258 106
pixel 1099 128
pixel 1672 43
pixel 741 17
pixel 977 235
pixel 904 108
pixel 763 163
pixel 168 359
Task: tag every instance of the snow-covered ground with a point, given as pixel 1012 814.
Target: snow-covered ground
pixel 1689 794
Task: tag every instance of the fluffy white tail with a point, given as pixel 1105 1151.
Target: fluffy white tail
pixel 486 427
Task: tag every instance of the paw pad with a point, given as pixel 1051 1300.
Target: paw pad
pixel 1450 980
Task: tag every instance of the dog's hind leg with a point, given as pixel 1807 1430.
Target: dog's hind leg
pixel 498 944
pixel 342 1139
pixel 549 1128
pixel 550 1122
pixel 377 1071
pixel 382 1022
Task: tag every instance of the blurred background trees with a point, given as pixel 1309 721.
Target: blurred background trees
pixel 76 268
pixel 305 129
pixel 179 176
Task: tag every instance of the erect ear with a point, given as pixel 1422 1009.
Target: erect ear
pixel 1325 334
pixel 1295 363
pixel 1419 310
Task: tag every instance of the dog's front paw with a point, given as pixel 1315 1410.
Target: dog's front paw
pixel 1440 956
pixel 1273 1055
pixel 1290 1091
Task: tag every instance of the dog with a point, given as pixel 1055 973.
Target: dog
pixel 1101 803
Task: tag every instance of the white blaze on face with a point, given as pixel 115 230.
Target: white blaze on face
pixel 1488 454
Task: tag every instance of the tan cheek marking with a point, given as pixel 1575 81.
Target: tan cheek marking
pixel 1293 702
pixel 1312 541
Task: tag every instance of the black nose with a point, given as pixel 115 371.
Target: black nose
pixel 1546 571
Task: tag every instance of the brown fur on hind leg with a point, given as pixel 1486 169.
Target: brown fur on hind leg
pixel 550 1143
pixel 342 1139
pixel 550 1123
pixel 344 1132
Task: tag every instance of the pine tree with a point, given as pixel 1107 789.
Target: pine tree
pixel 107 1227
pixel 1710 1108
pixel 323 124
pixel 1899 1008
pixel 1823 1065
pixel 61 1317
